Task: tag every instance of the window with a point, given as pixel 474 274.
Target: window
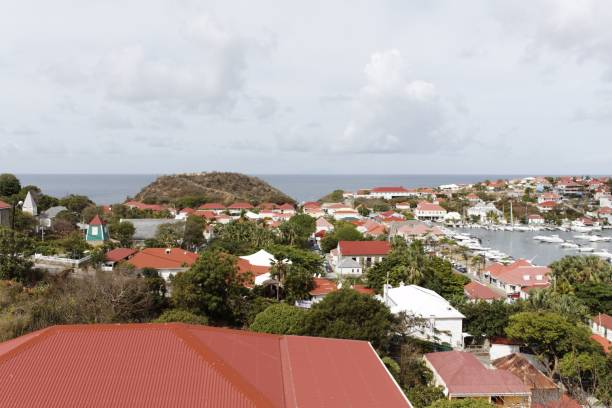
pixel 94 230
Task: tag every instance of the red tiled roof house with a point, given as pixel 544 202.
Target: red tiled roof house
pixel 360 253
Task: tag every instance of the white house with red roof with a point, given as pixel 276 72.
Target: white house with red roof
pixel 239 207
pixel 546 206
pixel 387 193
pixel 518 278
pixel 365 253
pixel 535 219
pixel 549 196
pixel 286 209
pixel 429 211
pixel 321 224
pixel 602 325
pixel 167 261
pixel 217 208
pixel 462 375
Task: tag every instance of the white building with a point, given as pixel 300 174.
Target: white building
pixel 535 219
pixel 348 266
pixel 443 323
pixel 429 211
pixel 605 201
pixel 483 211
pixel 387 193
pixel 29 205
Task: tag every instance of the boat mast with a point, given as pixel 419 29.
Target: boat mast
pixel 511 216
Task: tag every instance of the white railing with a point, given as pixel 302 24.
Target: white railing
pixel 60 260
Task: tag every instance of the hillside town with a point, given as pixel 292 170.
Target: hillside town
pixel 377 297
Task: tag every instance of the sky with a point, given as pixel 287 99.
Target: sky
pixel 317 87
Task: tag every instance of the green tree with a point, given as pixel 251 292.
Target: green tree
pixel 549 336
pixel 181 316
pixel 123 232
pixel 76 203
pixel 211 287
pixel 242 237
pixel 170 235
pixel 596 296
pixel 461 403
pixel 422 396
pixel 298 230
pixel 280 318
pixel 15 250
pixel 295 281
pixel 586 374
pixel 580 269
pixel 9 185
pixel 194 232
pixel 343 231
pixel 74 245
pixel 347 314
pixel 486 320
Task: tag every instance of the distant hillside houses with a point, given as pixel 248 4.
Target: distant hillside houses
pixel 518 278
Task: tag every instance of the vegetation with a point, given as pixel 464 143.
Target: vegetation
pixel 461 403
pixel 347 314
pixel 181 316
pixel 343 231
pixel 211 187
pixel 280 319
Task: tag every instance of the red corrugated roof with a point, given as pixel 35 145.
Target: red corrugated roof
pixel 240 206
pixel 4 205
pixel 212 206
pixel 163 258
pixel 464 375
pixel 605 343
pixel 349 248
pixel 476 290
pixel 389 190
pixel 179 365
pixel 119 254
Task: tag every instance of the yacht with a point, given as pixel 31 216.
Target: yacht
pixel 569 245
pixel 586 249
pixel 584 237
pixel 553 239
pixel 599 238
pixel 603 254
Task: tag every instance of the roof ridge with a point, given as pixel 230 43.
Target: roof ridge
pixel 219 365
pixel 289 393
pixel 29 343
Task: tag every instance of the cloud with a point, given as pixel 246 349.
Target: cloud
pixel 395 114
pixel 107 119
pixel 264 107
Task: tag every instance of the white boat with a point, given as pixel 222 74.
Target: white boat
pixel 598 238
pixel 553 239
pixel 586 249
pixel 569 245
pixel 539 237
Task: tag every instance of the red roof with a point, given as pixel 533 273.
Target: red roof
pixel 212 206
pixel 162 258
pixel 389 190
pixel 143 206
pixel 180 365
pixel 96 221
pixel 604 320
pixel 547 204
pixel 240 206
pixel 425 206
pixel 312 204
pixel 4 205
pixel 349 248
pixel 363 289
pixel 119 254
pixel 286 206
pixel 464 375
pixel 323 287
pixel 605 343
pixel 476 290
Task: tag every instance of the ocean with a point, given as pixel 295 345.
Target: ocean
pixel 114 188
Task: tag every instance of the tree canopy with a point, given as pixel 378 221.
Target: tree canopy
pixel 9 185
pixel 280 318
pixel 347 314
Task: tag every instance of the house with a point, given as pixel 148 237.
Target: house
pixel 238 208
pixel 346 214
pixel 29 205
pixel 429 211
pixel 6 212
pixel 286 209
pixel 416 230
pixel 114 256
pixel 387 193
pixel 549 196
pixel 403 206
pixel 518 278
pixel 605 213
pixel 331 208
pixel 535 219
pixel 181 365
pixel 348 266
pixel 485 212
pixel 602 325
pixel 146 228
pixel 323 225
pixel 97 232
pixel 476 291
pixel 323 287
pixel 473 198
pixel 502 347
pixel 605 201
pixel 167 261
pixel 366 253
pixel 461 375
pixel 442 322
pixel 217 208
pixel 259 264
pixel 544 391
pixel 45 219
pixel 569 188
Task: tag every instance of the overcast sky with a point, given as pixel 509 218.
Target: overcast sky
pixel 398 86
